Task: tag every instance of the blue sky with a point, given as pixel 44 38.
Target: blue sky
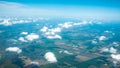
pixel 104 3
pixel 100 9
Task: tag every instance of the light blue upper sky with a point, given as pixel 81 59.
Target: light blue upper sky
pixel 104 3
pixel 100 9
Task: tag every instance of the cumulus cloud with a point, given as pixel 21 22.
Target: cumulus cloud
pixel 52 33
pixel 44 29
pixel 24 33
pixel 85 22
pixel 28 37
pixel 104 50
pixel 54 37
pixel 75 24
pixel 5 22
pixel 11 20
pixel 66 52
pixel 101 38
pixel 66 25
pixel 34 62
pixel 58 29
pixel 110 50
pixel 22 39
pixel 32 37
pixel 50 57
pixel 14 49
pixel 116 56
pixel 116 59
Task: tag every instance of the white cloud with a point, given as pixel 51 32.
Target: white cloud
pixel 104 49
pixel 54 37
pixel 24 33
pixel 44 29
pixel 51 33
pixel 22 39
pixel 53 30
pixel 32 37
pixel 6 22
pixel 14 49
pixel 58 29
pixel 116 56
pixel 116 59
pixel 66 25
pixel 110 50
pixel 50 57
pixel 101 38
pixel 34 62
pixel 66 52
pixel 85 22
pixel 75 24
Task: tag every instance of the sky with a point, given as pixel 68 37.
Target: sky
pixel 100 9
